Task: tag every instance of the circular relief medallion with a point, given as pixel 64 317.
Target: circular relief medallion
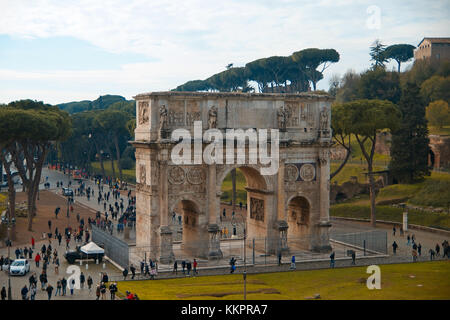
pixel 176 175
pixel 307 172
pixel 196 176
pixel 290 172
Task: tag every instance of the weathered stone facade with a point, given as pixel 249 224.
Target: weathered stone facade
pixel 294 202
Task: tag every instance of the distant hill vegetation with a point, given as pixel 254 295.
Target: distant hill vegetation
pixel 102 102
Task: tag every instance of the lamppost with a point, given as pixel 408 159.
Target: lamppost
pixel 244 221
pixel 10 222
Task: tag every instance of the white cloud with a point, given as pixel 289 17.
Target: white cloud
pixel 194 39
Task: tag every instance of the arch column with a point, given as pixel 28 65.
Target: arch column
pixel 213 212
pixel 166 247
pixel 320 237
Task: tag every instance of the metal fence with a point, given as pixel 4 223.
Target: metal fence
pixel 116 249
pixel 264 251
pixel 370 242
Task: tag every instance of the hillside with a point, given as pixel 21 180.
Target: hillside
pixel 102 102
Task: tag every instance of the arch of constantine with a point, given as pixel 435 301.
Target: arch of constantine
pixel 293 202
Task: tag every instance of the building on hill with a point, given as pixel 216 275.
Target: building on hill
pixel 434 48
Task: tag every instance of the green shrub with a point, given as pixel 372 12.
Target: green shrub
pixel 126 163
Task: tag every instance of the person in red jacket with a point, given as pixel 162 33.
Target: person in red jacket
pixel 195 267
pixel 32 242
pixel 37 259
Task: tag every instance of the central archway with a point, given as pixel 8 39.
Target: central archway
pixel 193 229
pixel 299 222
pixel 254 213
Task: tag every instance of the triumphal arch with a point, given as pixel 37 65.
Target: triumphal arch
pixel 290 202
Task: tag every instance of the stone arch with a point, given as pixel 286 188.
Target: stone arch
pixel 299 219
pixel 260 199
pixel 252 175
pixel 194 226
pixel 431 158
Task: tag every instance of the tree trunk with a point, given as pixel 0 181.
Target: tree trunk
pixel 30 210
pixel 101 159
pixel 233 182
pixel 373 220
pixel 11 199
pixel 116 144
pixel 111 158
pixel 347 156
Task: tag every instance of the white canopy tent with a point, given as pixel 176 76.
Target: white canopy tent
pixel 92 248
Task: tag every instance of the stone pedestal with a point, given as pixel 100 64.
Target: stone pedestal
pixel 321 238
pixel 405 221
pixel 282 227
pixel 167 255
pixel 214 243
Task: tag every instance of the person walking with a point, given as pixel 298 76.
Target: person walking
pixel 133 271
pixel 353 257
pixel 232 265
pixel 97 292
pixel 71 286
pixel 147 269
pixel 332 255
pixel 279 258
pixel 293 263
pixel 419 249
pixel 24 293
pixel 408 238
pixel 82 280
pixel 113 290
pixel 183 266
pixel 394 247
pixel 32 242
pixel 431 251
pixel 103 290
pixel 64 286
pixel 124 273
pixel 58 287
pixel 414 255
pixel 89 283
pixel 33 291
pixel 438 249
pixel 43 280
pixel 49 291
pixel 393 231
pixel 188 267
pixel 175 267
pixel 57 265
pixel 195 267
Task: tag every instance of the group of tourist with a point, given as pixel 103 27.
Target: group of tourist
pixel 416 247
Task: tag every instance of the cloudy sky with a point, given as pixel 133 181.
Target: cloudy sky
pixel 65 50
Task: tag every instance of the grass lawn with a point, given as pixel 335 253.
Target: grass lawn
pixel 388 213
pixel 439 131
pixel 351 169
pixel 227 188
pixel 431 281
pixel 129 175
pixel 433 191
